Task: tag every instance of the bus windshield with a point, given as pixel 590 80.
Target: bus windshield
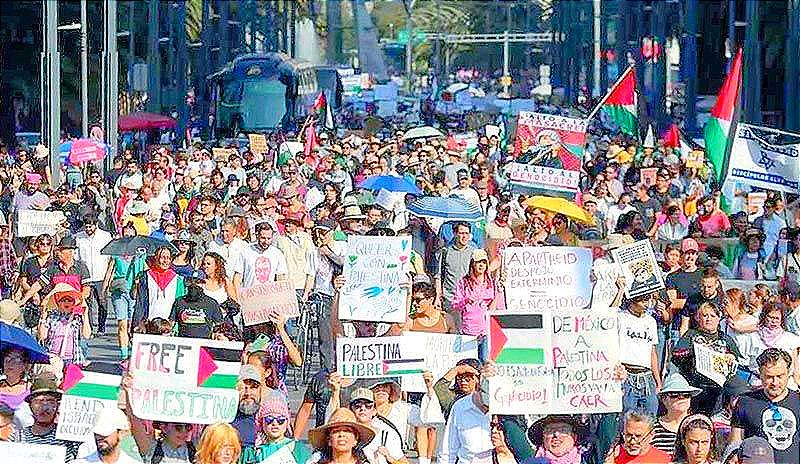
pixel 262 104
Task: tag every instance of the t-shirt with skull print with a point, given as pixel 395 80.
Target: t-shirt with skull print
pixel 776 422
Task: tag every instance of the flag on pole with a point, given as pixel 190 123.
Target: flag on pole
pixel 324 111
pixel 672 138
pixel 621 103
pixel 722 125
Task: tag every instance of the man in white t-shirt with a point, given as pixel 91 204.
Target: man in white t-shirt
pixel 465 190
pixel 261 262
pixel 229 246
pixel 638 335
pixel 109 425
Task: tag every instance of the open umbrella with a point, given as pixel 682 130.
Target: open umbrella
pixel 560 205
pixel 14 337
pixel 448 208
pixel 130 246
pixel 389 183
pixel 422 132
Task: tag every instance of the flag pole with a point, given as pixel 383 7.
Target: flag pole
pixel 610 91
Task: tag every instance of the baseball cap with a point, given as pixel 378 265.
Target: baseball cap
pixel 756 450
pixel 689 244
pixel 479 254
pixel 249 372
pixel 109 420
pixel 362 394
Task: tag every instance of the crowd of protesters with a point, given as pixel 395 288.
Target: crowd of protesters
pixel 230 219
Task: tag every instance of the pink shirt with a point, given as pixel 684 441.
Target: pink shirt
pixel 473 304
pixel 713 225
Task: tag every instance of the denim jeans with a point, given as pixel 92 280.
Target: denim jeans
pixel 483 348
pixel 639 392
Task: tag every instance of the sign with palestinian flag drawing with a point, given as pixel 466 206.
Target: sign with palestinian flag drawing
pixel 560 362
pixel 377 357
pixel 187 380
pixel 85 394
pixel 441 353
pixel 548 150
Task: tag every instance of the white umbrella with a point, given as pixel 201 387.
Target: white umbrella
pixel 422 132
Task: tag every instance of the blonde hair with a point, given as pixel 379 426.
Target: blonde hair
pixel 214 438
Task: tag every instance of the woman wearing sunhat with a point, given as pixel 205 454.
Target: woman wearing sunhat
pixel 675 396
pixel 340 440
pixel 64 324
pixel 557 438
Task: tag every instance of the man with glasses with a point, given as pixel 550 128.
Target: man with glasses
pixel 771 412
pixel 44 400
pixel 637 433
pixel 91 241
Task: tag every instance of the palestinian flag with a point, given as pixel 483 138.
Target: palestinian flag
pixel 514 339
pixel 86 384
pixel 403 366
pixel 323 110
pixel 620 104
pixel 218 367
pixel 722 125
pixel 672 138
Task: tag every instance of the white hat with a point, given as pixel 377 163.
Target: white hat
pixel 109 420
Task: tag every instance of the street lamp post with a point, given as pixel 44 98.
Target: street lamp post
pixel 52 66
pixel 84 73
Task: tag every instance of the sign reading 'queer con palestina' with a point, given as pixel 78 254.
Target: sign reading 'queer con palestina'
pixel 377 357
pixel 187 380
pixel 546 278
pixel 563 364
pixel 375 286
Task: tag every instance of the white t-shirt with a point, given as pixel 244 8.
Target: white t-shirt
pixel 637 337
pixel 386 436
pixel 261 266
pixel 231 253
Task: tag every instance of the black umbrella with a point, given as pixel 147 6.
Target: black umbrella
pixel 130 246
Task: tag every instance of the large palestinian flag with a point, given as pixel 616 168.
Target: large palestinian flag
pixel 518 339
pixel 719 127
pixel 621 103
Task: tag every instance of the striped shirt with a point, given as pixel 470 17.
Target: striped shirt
pixel 49 438
pixel 663 439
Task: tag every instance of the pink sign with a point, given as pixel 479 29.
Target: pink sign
pixel 86 150
pixel 260 300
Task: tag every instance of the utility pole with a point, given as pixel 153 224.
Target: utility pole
pixel 409 5
pixel 154 57
pixel 110 86
pixel 752 69
pixel 689 68
pixel 180 63
pixel 596 39
pixel 506 74
pixel 84 73
pixel 52 60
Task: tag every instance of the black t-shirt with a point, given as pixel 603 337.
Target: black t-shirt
pixel 648 209
pixel 687 284
pixel 776 422
pixel 31 269
pixel 694 301
pixel 196 319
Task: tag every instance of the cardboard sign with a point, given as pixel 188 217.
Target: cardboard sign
pixel 258 143
pixel 31 222
pixel 712 364
pixel 85 394
pixel 374 272
pixel 606 274
pixel 694 160
pixel 546 278
pixel 188 380
pixel 559 364
pixel 441 353
pixel 30 453
pixel 222 153
pixel 648 176
pixel 377 357
pixel 638 265
pixel 755 203
pixel 259 301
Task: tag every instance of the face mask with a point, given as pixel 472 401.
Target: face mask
pixel 484 390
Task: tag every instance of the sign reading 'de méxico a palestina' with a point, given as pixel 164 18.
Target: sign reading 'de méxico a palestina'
pixel 562 364
pixel 639 267
pixel 85 394
pixel 766 158
pixel 376 357
pixel 259 301
pixel 441 353
pixel 546 278
pixel 374 270
pixel 187 380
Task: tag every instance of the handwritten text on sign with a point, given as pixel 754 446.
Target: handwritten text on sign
pixel 30 453
pixel 638 265
pixel 546 278
pixel 184 379
pixel 441 352
pixel 376 357
pixel 259 301
pixel 374 272
pixel 85 395
pixel 258 143
pixel 31 223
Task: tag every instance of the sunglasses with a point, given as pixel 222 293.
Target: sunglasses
pixel 681 396
pixel 66 299
pixel 45 243
pixel 362 405
pixel 280 420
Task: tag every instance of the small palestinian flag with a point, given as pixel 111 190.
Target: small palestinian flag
pixel 86 384
pixel 403 366
pixel 218 368
pixel 516 339
pixel 620 104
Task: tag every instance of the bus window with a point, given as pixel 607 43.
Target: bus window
pixel 263 103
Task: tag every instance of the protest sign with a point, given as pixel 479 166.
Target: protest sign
pixel 31 222
pixel 546 278
pixel 712 364
pixel 85 394
pixel 30 453
pixel 755 204
pixel 441 353
pixel 648 176
pixel 187 380
pixel 259 301
pixel 374 272
pixel 766 158
pixel 694 160
pixel 258 143
pixel 585 353
pixel 606 274
pixel 554 145
pixel 639 267
pixel 222 153
pixel 376 357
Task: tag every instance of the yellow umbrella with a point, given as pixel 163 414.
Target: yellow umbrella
pixel 560 205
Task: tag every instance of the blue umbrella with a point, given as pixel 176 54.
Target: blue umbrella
pixel 390 183
pixel 448 208
pixel 14 337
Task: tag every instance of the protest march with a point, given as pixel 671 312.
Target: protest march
pixel 559 285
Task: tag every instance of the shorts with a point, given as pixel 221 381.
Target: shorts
pixel 123 306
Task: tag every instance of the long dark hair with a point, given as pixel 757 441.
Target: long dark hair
pixel 327 455
pixel 696 421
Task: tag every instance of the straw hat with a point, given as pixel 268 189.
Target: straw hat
pixel 618 240
pixel 9 312
pixel 58 291
pixel 536 431
pixel 352 212
pixel 341 417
